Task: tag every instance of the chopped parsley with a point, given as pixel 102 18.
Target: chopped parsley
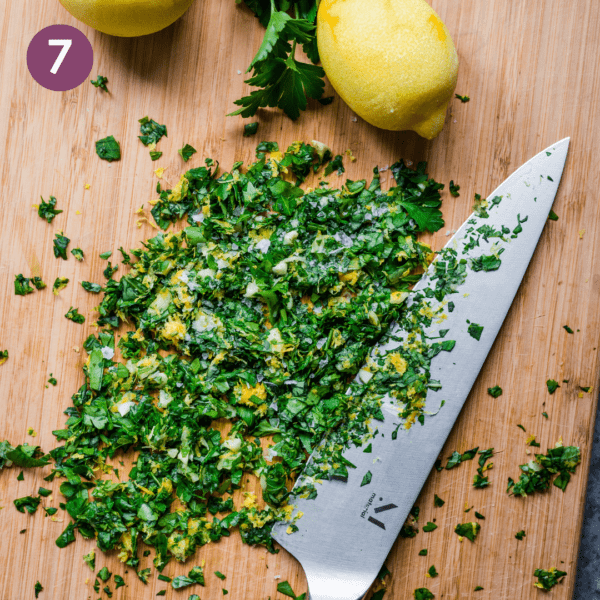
pixel 545 415
pixel 59 284
pixel 90 559
pixel 480 480
pixel 468 530
pixel 108 149
pixel 463 99
pixel 27 503
pixel 20 476
pixel 568 329
pixel 151 131
pixel 475 331
pixel 250 129
pixel 429 527
pixel 73 315
pixel 437 501
pixel 155 155
pixel 38 284
pixel 100 82
pixel 105 255
pixel 104 574
pixel 432 572
pixel 47 210
pixel 93 288
pixel 553 216
pixel 188 151
pixel 423 552
pixel 219 575
pixel 3 356
pixel 548 579
pixel 552 386
pixel 478 588
pixel 335 165
pixel 22 285
pixel 60 245
pixel 366 479
pixel 495 392
pixel 457 458
pixel 537 474
pixel 144 575
pixel 423 594
pixel 38 588
pixel 520 534
pixel 286 589
pixel 479 515
pixel 454 189
pixel 119 581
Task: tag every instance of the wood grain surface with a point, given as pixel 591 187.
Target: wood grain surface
pixel 532 71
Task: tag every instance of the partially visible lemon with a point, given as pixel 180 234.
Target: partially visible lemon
pixel 392 61
pixel 127 18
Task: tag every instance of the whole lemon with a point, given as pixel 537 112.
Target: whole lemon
pixel 127 18
pixel 392 61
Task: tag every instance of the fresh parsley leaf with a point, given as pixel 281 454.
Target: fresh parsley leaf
pixel 108 149
pixel 93 288
pixel 188 151
pixel 547 579
pixel 67 536
pixel 50 511
pixel 73 315
pixel 100 82
pixel 545 415
pixel 250 129
pixel 60 245
pixel 20 476
pixel 454 189
pixel 495 392
pixel 26 456
pixel 286 589
pixel 479 515
pixel 151 131
pixel 27 503
pixel 47 210
pixel 468 530
pixel 475 331
pixel 22 285
pixel 44 492
pixel 59 284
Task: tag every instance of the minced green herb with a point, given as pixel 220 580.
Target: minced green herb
pixel 552 386
pixel 457 458
pixel 90 559
pixel 20 476
pixel 537 474
pixel 286 589
pixel 585 389
pixel 478 588
pixel 155 155
pixel 59 284
pixel 367 478
pixel 38 588
pixel 27 503
pixel 188 151
pixel 548 579
pixel 479 515
pixel 423 552
pixel 553 216
pixel 119 581
pixel 94 288
pixel 454 189
pixel 3 356
pixel 432 571
pixel 100 82
pixel 495 392
pixel 104 574
pixel 520 534
pixel 568 329
pixel 38 284
pixel 105 255
pixel 73 315
pixel 480 480
pixel 423 594
pixel 462 98
pixel 22 285
pixel 335 165
pixel 47 210
pixel 429 527
pixel 250 129
pixel 475 331
pixel 437 501
pixel 219 575
pixel 108 149
pixel 60 245
pixel 151 131
pixel 468 530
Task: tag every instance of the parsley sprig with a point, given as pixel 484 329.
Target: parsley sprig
pixel 283 81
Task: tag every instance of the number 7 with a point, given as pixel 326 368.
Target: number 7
pixel 66 44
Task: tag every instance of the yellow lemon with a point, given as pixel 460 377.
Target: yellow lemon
pixel 127 18
pixel 392 61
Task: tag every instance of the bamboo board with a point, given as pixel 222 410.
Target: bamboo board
pixel 532 72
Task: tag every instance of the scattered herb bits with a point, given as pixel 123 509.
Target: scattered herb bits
pixel 475 331
pixel 27 503
pixel 548 579
pixel 520 534
pixel 90 559
pixel 468 530
pixel 59 284
pixel 463 99
pixel 454 188
pixel 495 392
pixel 155 155
pixel 250 129
pixel 93 288
pixel 22 285
pixel 38 588
pixel 100 82
pixel 429 527
pixel 188 151
pixel 432 572
pixel 3 356
pixel 77 253
pixel 568 329
pixel 38 284
pixel 552 386
pixel 108 149
pixel 151 131
pixel 52 380
pixel 366 479
pixel 60 245
pixel 423 552
pixel 104 574
pixel 423 594
pixel 437 501
pixel 47 210
pixel 553 216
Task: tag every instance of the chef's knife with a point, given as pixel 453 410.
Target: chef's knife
pixel 347 531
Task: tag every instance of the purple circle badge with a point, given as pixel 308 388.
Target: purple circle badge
pixel 60 57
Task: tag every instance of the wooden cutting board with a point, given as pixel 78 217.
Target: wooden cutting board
pixel 531 69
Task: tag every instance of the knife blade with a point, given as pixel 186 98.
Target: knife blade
pixel 346 532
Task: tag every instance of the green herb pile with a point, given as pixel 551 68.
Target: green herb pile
pixel 261 313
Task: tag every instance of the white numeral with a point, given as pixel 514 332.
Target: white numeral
pixel 66 44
